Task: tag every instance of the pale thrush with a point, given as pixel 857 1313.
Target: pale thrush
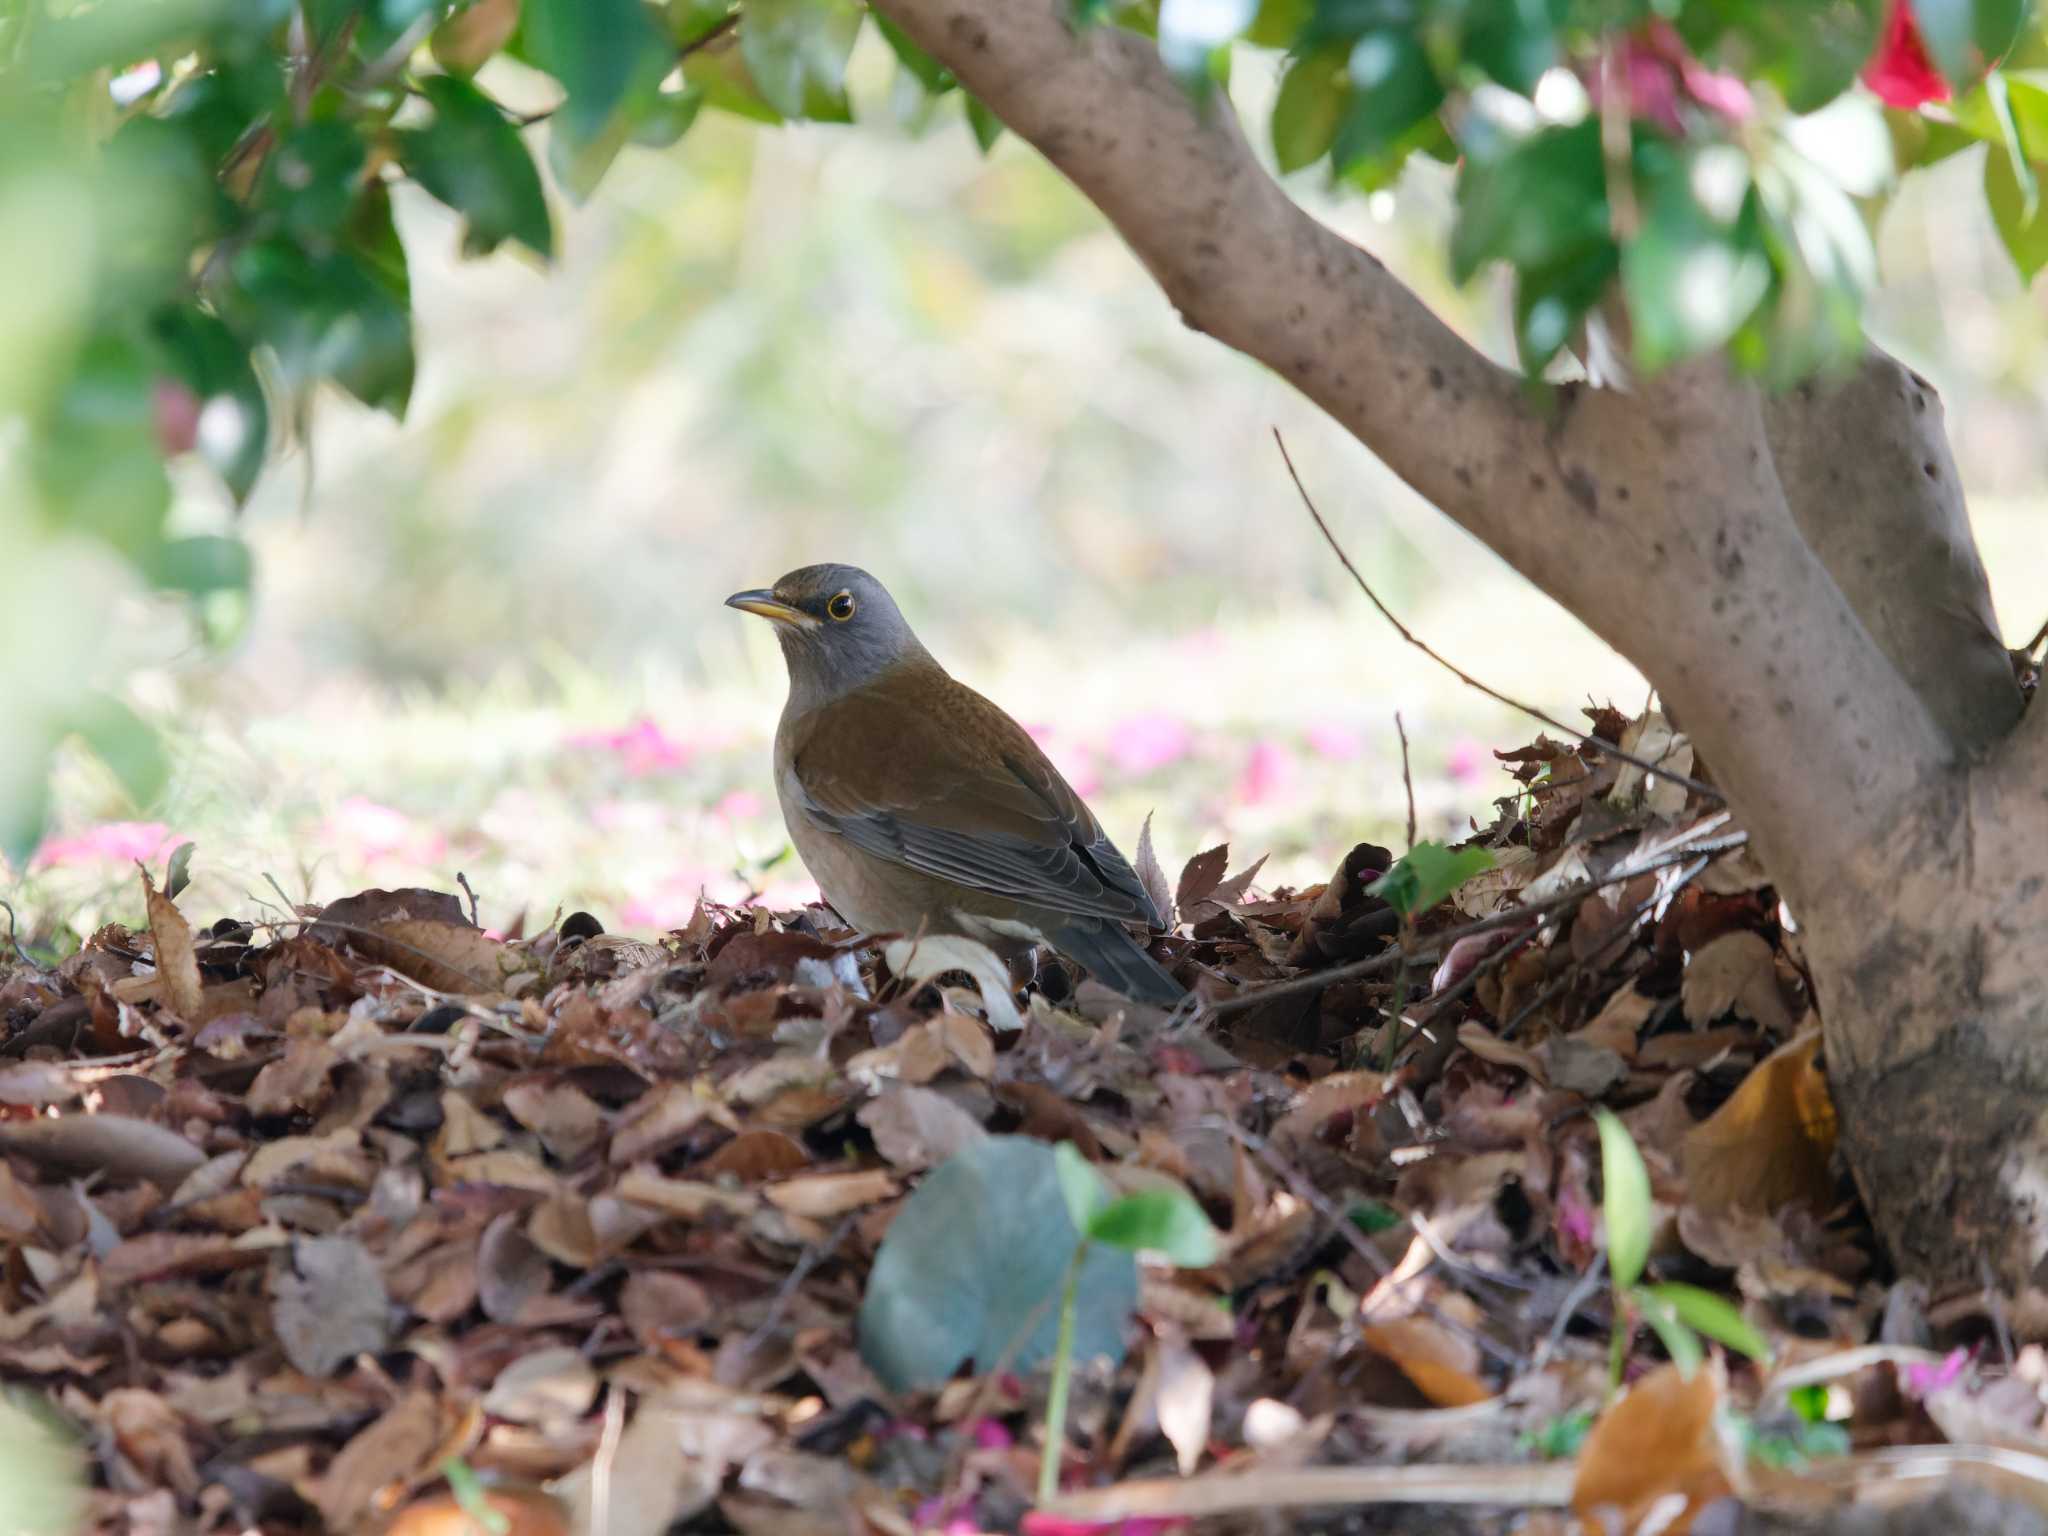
pixel 921 808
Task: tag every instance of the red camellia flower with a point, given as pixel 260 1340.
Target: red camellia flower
pixel 1900 72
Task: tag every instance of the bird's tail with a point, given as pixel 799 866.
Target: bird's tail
pixel 1117 960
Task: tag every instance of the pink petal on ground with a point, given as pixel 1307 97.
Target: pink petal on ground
pixel 1039 1523
pixel 381 832
pixel 1142 744
pixel 740 805
pixel 1575 1218
pixel 115 842
pixel 1267 774
pixel 1339 743
pixel 1923 1379
pixel 641 748
pixel 1467 759
pixel 993 1435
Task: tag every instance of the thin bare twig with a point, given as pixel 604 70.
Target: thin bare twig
pixel 1586 738
pixel 2035 644
pixel 607 1453
pixel 1407 778
pixel 463 880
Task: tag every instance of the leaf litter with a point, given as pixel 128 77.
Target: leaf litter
pixel 369 1219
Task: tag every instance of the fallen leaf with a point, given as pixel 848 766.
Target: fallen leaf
pixel 329 1305
pixel 549 1385
pixel 1201 875
pixel 391 1451
pixel 1772 1142
pixel 918 1128
pixel 753 1156
pixel 177 963
pixel 1185 1402
pixel 1443 1366
pixel 1656 1454
pixel 1735 973
pixel 1152 877
pixel 935 954
pixel 115 1145
pixel 824 1195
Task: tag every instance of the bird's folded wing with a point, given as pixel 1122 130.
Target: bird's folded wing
pixel 965 795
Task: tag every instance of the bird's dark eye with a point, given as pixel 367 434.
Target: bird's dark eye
pixel 841 606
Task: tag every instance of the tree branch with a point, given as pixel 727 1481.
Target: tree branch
pixel 1867 471
pixel 1656 517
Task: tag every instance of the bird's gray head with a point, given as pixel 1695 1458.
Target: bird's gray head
pixel 838 626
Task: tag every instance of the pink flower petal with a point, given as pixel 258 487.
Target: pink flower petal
pixel 1143 744
pixel 1267 774
pixel 1339 743
pixel 1467 759
pixel 114 842
pixel 642 748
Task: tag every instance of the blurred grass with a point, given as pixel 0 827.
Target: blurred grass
pixel 761 350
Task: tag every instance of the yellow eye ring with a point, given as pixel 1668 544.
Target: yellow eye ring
pixel 841 606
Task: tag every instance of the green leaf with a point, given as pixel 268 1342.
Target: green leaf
pixel 311 178
pixel 1550 303
pixel 1080 1185
pixel 984 124
pixel 1278 23
pixel 1966 37
pixel 473 160
pixel 979 1251
pixel 1810 50
pixel 602 51
pixel 1810 1402
pixel 1394 87
pixel 1680 1342
pixel 1692 276
pixel 96 455
pixel 796 50
pixel 1164 1221
pixel 1513 41
pixel 1428 874
pixel 721 74
pixel 200 564
pixel 1715 1316
pixel 1314 95
pixel 234 421
pixel 178 871
pixel 667 118
pixel 126 743
pixel 325 316
pixel 1999 94
pixel 1535 203
pixel 926 70
pixel 1624 1200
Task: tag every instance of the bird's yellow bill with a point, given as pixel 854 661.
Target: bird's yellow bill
pixel 765 603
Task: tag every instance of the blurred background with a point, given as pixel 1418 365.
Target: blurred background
pixel 489 639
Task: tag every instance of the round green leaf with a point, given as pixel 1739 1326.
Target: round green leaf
pixel 1314 95
pixel 978 1254
pixel 1712 1315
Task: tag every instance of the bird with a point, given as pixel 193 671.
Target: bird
pixel 920 807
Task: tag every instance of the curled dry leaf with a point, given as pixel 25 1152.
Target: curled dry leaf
pixel 392 1451
pixel 177 963
pixel 1152 877
pixel 936 954
pixel 448 957
pixel 1736 973
pixel 1443 1366
pixel 547 1386
pixel 115 1145
pixel 1771 1144
pixel 1657 1453
pixel 824 1195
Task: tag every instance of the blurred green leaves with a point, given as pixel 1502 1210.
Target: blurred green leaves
pixel 473 159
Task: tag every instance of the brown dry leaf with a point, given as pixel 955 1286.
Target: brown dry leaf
pixel 547 1386
pixel 296 1080
pixel 511 1270
pixel 824 1195
pixel 659 1476
pixel 1186 1400
pixel 1619 1023
pixel 661 1117
pixel 1487 1046
pixel 1201 875
pixel 561 1228
pixel 753 1156
pixel 1771 1143
pixel 1443 1366
pixel 657 1303
pixel 689 1198
pixel 446 956
pixel 151 1436
pixel 393 1450
pixel 116 1145
pixel 329 1305
pixel 527 1512
pixel 918 1128
pixel 1657 1447
pixel 153 1255
pixel 1736 972
pixel 177 963
pixel 567 1121
pixel 1151 876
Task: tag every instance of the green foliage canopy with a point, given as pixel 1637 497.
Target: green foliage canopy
pixel 196 229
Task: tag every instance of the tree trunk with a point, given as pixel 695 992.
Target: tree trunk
pixel 1795 574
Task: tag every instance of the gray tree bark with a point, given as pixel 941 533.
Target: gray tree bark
pixel 1795 575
